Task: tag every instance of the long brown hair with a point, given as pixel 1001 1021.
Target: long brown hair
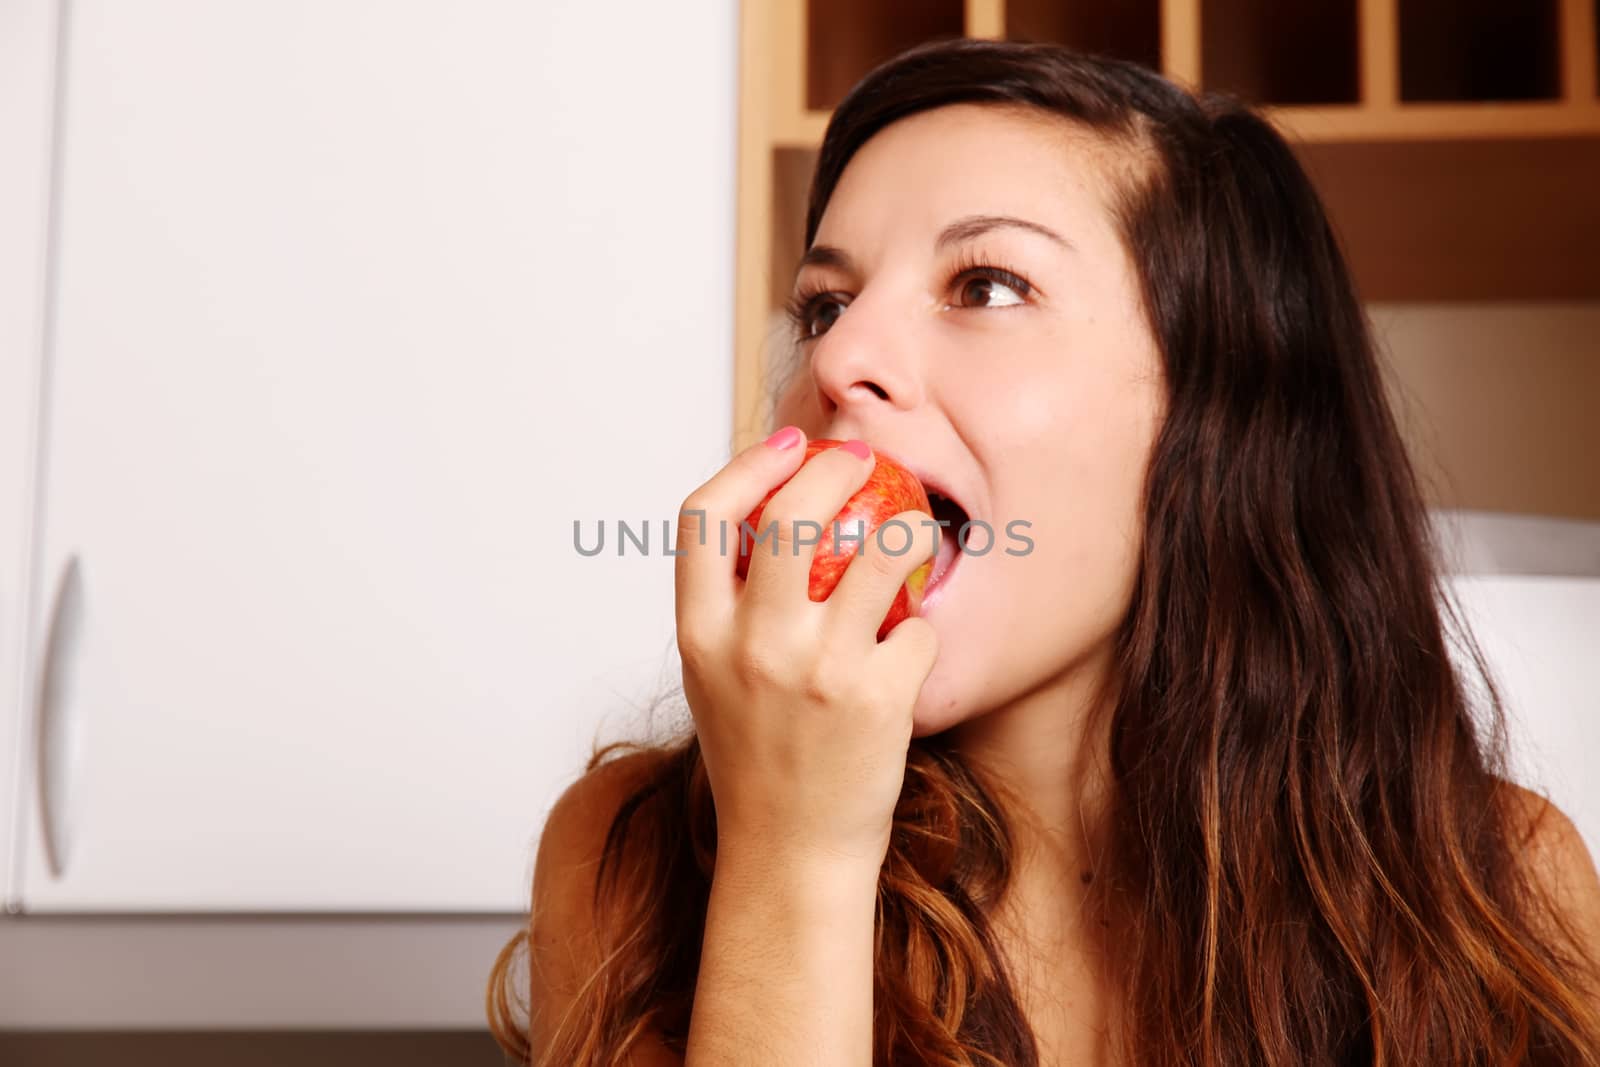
pixel 1314 852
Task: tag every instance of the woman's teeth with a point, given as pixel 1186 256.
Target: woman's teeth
pixel 944 558
pixel 951 516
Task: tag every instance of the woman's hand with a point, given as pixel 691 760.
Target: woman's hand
pixel 803 717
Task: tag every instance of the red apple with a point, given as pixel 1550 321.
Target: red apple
pixel 890 489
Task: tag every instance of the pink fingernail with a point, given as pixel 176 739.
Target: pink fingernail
pixel 787 437
pixel 857 448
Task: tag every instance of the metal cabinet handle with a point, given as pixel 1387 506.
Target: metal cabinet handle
pixel 60 729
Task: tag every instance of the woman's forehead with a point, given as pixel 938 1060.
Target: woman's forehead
pixel 923 171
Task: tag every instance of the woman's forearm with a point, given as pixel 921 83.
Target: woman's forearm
pixel 786 963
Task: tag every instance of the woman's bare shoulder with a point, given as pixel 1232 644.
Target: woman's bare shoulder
pixel 574 833
pixel 564 948
pixel 589 804
pixel 1556 854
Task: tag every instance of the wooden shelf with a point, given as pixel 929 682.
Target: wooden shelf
pixel 1126 29
pixel 804 130
pixel 847 38
pixel 1477 219
pixel 1327 69
pixel 791 181
pixel 1480 50
pixel 1315 125
pixel 1429 122
pixel 1580 50
pixel 1282 51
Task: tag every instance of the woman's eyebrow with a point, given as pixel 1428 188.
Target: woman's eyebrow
pixel 963 229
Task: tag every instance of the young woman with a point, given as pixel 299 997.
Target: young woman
pixel 1193 781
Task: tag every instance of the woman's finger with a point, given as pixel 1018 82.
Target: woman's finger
pixel 888 557
pixel 796 518
pixel 708 526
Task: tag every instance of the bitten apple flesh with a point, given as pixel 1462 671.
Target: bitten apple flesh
pixel 889 490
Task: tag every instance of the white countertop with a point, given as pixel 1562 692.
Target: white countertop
pixel 403 972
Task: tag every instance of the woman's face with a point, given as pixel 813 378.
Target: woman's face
pixel 1031 400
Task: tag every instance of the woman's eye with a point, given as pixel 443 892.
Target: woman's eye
pixel 982 287
pixel 807 319
pixel 821 315
pixel 982 291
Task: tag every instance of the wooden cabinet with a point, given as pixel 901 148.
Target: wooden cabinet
pixel 351 312
pixel 1456 144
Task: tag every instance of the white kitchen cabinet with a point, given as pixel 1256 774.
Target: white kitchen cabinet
pixel 25 82
pixel 359 305
pixel 1540 634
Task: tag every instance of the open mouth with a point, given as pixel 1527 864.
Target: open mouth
pixel 951 516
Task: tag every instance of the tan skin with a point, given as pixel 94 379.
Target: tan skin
pixel 1035 397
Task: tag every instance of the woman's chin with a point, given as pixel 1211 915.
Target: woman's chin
pixel 934 713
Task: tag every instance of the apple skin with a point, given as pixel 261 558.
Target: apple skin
pixel 889 490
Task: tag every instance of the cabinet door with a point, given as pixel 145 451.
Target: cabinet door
pixel 360 306
pixel 25 62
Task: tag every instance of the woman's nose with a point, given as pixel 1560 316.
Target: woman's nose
pixel 866 359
